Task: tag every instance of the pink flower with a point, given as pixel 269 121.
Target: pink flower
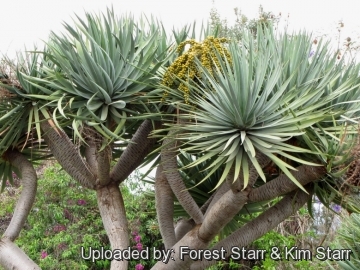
pixel 139 246
pixel 43 254
pixel 81 202
pixel 62 246
pixel 137 238
pixel 139 267
pixel 67 214
pixel 59 228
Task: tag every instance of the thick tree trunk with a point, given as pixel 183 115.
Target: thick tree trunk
pixel 170 165
pixel 27 197
pixel 11 256
pixel 134 154
pixel 164 200
pixel 176 262
pixel 259 225
pixel 112 210
pixel 99 160
pixel 200 236
pixel 164 203
pixel 67 155
pixel 283 185
pixel 182 227
pixel 224 187
pixel 221 214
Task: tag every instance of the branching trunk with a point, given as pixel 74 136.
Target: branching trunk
pixel 67 155
pixel 170 165
pixel 183 226
pixel 259 225
pixel 98 159
pixel 112 210
pixel 239 183
pixel 164 200
pixel 206 205
pixel 134 154
pixel 176 262
pixel 11 256
pixel 223 211
pixel 283 185
pixel 221 214
pixel 200 236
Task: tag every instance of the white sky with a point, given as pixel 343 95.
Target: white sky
pixel 26 22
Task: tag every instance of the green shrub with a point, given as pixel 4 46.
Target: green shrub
pixel 349 238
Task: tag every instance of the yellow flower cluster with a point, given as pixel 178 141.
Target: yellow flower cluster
pixel 184 67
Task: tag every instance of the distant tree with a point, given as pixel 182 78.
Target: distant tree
pixel 223 28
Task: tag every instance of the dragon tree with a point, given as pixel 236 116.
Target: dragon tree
pixel 233 128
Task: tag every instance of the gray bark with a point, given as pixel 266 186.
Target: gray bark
pixel 67 154
pixel 112 211
pixel 221 214
pixel 27 197
pixel 182 227
pixel 98 159
pixel 11 256
pixel 283 185
pixel 176 262
pixel 164 201
pixel 224 187
pixel 259 225
pixel 134 154
pixel 170 165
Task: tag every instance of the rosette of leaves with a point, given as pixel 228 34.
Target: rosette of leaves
pixel 269 93
pixel 21 111
pixel 106 67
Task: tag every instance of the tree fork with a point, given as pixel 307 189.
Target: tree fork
pixel 182 227
pixel 178 264
pixel 260 225
pixel 99 161
pixel 222 212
